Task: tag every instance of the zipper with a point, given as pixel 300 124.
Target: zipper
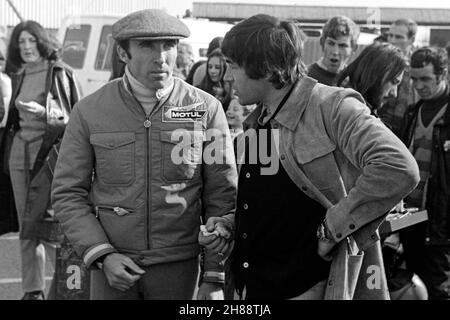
pixel 117 210
pixel 147 125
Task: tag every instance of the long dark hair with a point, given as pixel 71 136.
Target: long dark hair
pixel 209 86
pixel 46 46
pixel 375 66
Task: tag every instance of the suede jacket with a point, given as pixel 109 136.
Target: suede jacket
pixel 340 155
pixel 119 188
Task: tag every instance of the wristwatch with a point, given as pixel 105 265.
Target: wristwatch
pixel 323 234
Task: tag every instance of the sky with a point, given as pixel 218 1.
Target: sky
pixel 180 6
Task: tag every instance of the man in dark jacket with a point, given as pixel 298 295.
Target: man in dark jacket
pixel 426 132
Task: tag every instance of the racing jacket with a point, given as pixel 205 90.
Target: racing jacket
pixel 139 185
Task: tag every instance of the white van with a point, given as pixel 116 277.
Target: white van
pixel 88 45
pixel 87 48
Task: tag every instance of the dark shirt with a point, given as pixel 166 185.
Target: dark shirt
pixel 431 107
pixel 275 256
pixel 323 76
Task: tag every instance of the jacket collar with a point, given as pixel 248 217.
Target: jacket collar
pixel 291 113
pixel 53 64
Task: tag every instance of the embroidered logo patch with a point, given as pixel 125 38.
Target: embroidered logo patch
pixel 183 114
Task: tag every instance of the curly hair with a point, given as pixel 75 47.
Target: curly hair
pixel 438 57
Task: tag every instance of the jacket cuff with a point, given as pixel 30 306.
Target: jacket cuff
pixel 340 224
pixel 96 252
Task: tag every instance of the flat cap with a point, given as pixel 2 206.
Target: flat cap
pixel 152 24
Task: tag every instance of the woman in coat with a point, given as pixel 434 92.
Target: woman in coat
pixel 44 92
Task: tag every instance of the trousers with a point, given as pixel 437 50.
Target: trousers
pixel 165 281
pixel 33 252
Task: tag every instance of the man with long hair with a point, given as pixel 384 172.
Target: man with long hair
pixel 375 74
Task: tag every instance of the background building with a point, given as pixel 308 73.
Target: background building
pixel 50 13
pixel 434 23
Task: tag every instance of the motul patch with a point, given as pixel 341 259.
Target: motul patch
pixel 183 114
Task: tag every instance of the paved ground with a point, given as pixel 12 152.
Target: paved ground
pixel 10 265
pixel 10 277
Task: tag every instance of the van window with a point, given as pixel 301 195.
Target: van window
pixel 75 45
pixel 105 50
pixel 439 37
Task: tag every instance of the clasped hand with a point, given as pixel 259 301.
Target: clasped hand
pixel 218 237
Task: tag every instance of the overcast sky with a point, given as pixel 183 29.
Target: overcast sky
pixel 180 6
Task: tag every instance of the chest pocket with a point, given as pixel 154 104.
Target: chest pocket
pixel 114 154
pixel 317 161
pixel 181 155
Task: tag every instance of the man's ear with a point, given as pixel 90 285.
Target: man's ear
pixel 412 40
pixel 123 54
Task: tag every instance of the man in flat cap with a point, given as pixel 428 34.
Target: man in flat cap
pixel 132 181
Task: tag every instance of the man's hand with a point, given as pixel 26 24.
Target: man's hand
pixel 210 291
pixel 121 272
pixel 32 107
pixel 215 243
pixel 221 240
